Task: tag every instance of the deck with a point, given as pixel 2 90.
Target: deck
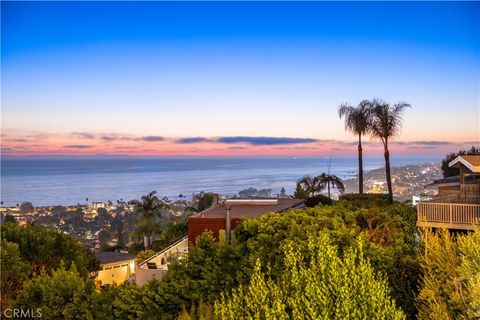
pixel 461 216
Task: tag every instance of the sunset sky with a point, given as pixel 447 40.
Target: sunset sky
pixel 216 78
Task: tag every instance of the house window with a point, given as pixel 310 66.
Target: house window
pixel 471 178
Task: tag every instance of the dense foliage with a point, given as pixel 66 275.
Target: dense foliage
pixel 29 251
pixel 173 231
pixel 144 255
pixel 386 233
pixel 316 283
pixel 318 199
pixel 451 276
pixel 210 269
pixel 14 271
pixel 149 212
pixel 365 199
pixel 389 233
pixel 203 200
pixel 45 249
pixel 65 288
pixel 357 258
pixel 254 193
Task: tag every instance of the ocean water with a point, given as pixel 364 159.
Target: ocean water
pixel 67 181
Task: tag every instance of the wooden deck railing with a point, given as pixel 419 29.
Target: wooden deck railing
pixel 448 215
pixel 457 198
pixel 453 198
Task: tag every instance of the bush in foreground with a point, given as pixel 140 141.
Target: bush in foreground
pixel 318 285
pixel 365 199
pixel 451 276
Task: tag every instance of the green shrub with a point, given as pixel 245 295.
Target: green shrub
pixel 44 249
pixel 62 295
pixel 317 285
pixel 365 199
pixel 450 286
pixel 388 231
pixel 318 199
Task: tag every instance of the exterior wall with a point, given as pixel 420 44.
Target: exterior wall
pixel 144 275
pixel 196 226
pixel 462 170
pixel 115 273
pixel 470 191
pixel 447 191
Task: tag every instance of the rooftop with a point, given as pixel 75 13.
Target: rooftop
pixel 250 210
pixel 445 182
pixel 108 257
pixel 470 161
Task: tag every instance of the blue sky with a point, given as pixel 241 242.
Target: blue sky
pixel 253 69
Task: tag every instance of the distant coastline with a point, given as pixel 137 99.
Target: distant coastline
pixel 46 182
pixel 408 180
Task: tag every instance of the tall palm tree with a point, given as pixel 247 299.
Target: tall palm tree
pixel 311 185
pixel 328 180
pixel 356 121
pixel 149 208
pixel 385 124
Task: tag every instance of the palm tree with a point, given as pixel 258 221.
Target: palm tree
pixel 311 185
pixel 300 193
pixel 149 208
pixel 384 124
pixel 356 121
pixel 326 180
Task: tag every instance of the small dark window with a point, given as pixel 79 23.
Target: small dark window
pixel 471 178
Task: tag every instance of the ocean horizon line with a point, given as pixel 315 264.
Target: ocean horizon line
pixel 46 181
pixel 128 156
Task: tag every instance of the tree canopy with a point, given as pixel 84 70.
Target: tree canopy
pixel 62 295
pixel 14 270
pixel 26 207
pixel 45 249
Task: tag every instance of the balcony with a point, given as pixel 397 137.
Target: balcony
pixel 157 265
pixel 449 213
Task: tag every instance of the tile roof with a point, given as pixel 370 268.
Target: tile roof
pixel 249 210
pixel 470 161
pixel 474 160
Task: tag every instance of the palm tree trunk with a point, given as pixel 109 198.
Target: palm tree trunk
pixel 146 241
pixel 388 174
pixel 360 165
pixel 328 184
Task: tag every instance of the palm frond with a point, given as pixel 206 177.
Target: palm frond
pixel 385 121
pixel 356 118
pixel 333 180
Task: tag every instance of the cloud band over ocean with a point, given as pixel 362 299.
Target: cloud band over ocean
pixel 81 143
